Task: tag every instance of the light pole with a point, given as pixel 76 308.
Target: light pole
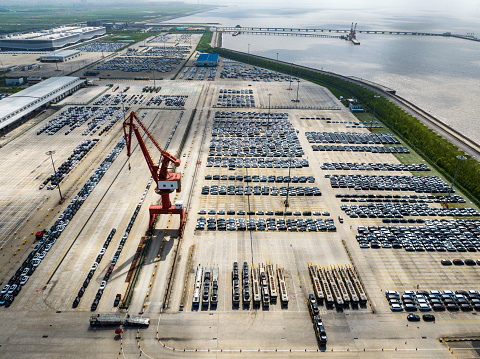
pixel 288 183
pixel 373 114
pixel 291 72
pixel 298 87
pixel 460 159
pixel 276 69
pixel 269 95
pixel 51 153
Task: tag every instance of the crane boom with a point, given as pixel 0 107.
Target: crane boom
pixel 166 181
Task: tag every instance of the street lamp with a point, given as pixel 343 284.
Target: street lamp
pixel 51 153
pixel 288 183
pixel 291 72
pixel 269 95
pixel 276 69
pixel 373 114
pixel 298 87
pixel 460 159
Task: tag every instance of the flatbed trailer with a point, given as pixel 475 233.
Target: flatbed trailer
pixel 197 286
pixel 283 286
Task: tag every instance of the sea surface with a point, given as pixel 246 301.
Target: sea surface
pixel 439 74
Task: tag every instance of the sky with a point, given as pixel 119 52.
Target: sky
pixel 462 8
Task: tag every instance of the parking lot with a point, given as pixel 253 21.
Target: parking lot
pixel 257 192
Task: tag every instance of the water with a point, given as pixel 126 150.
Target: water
pixel 441 75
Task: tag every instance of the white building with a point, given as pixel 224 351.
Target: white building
pixel 60 56
pixel 49 40
pixel 16 108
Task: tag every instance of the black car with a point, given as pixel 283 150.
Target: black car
pixel 429 317
pixel 413 318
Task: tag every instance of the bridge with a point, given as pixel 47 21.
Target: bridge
pixel 293 31
pixel 280 33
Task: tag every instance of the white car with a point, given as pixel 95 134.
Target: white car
pixel 95 265
pixel 5 289
pixel 24 280
pixel 103 284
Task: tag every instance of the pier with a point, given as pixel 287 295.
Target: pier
pixel 290 31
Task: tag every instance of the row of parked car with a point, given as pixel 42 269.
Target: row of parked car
pixel 399 210
pixel 352 138
pixel 318 325
pixel 250 115
pixel 222 212
pixel 360 148
pixel 437 235
pixel 233 162
pixel 238 70
pixel 356 166
pixel 92 270
pixel 228 100
pixel 73 117
pixel 460 262
pixel 397 198
pixel 78 153
pixel 263 179
pixel 102 46
pixel 418 184
pixel 261 190
pixel 262 224
pixel 433 300
pixel 50 237
pixel 168 100
pixel 137 63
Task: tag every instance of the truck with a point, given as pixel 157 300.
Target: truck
pixel 106 320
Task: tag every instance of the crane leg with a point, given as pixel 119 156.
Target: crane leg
pixel 156 210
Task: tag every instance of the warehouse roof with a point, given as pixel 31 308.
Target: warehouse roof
pixel 207 57
pixel 61 53
pixel 23 99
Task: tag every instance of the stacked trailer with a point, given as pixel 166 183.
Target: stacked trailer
pixel 358 286
pixel 206 288
pixel 272 285
pixel 197 287
pixel 264 286
pixel 214 295
pixel 341 286
pixel 283 286
pixel 317 287
pixel 348 283
pixel 235 286
pixel 257 297
pixel 326 287
pixel 336 292
pixel 246 285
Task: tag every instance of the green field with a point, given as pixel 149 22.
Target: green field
pixel 15 18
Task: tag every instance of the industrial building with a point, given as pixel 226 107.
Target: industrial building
pixel 49 40
pixel 60 56
pixel 207 60
pixel 14 80
pixel 16 108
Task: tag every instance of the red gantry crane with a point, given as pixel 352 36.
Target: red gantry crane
pixel 167 182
